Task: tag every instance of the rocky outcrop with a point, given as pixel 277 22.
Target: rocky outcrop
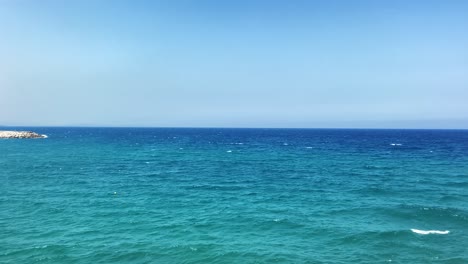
pixel 20 134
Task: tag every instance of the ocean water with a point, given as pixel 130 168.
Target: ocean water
pixel 167 195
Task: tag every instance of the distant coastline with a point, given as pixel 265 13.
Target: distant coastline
pixel 20 134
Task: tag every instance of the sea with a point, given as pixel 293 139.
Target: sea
pixel 219 195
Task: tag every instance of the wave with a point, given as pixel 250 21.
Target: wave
pixel 427 232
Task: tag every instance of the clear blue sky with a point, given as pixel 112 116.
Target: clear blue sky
pixel 234 63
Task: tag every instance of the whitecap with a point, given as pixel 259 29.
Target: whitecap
pixel 45 246
pixel 396 144
pixel 229 151
pixel 427 232
pixel 309 147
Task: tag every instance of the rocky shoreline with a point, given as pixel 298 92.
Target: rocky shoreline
pixel 20 134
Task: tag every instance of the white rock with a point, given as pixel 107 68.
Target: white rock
pixel 20 134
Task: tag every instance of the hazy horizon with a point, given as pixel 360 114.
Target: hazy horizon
pixel 247 64
pixel 406 126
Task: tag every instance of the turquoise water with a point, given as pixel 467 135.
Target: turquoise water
pixel 135 195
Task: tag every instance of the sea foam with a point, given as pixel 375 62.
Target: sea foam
pixel 427 232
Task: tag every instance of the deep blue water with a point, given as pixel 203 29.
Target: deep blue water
pixel 167 195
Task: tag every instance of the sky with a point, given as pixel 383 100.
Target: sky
pixel 200 63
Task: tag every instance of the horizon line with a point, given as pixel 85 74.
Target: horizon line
pixel 225 127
